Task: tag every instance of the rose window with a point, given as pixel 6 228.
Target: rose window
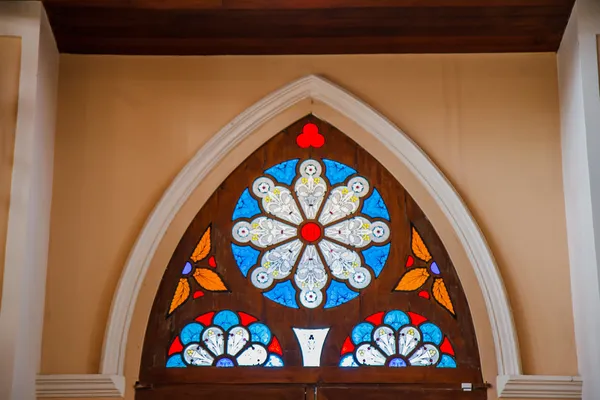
pixel 311 232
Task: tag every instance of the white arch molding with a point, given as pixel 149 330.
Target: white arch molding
pixel 317 88
pixel 110 381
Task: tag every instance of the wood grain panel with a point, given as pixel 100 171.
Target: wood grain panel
pixel 327 27
pixel 295 4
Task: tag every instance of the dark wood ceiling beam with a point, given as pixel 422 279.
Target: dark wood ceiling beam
pixel 283 46
pixel 323 23
pixel 241 27
pixel 298 4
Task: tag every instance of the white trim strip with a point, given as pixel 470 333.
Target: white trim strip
pixel 93 385
pixel 509 386
pixel 539 387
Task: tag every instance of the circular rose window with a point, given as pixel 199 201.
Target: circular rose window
pixel 311 232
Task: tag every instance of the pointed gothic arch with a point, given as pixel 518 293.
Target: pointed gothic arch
pixel 431 178
pixel 310 260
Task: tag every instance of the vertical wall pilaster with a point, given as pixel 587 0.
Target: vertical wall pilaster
pixel 23 294
pixel 580 119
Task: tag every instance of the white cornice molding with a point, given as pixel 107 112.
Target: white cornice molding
pixel 110 386
pixel 80 385
pixel 539 387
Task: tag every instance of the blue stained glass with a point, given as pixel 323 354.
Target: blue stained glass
pixel 175 361
pixel 375 207
pixel 284 172
pixel 191 333
pixel 431 333
pixel 245 257
pixel 187 268
pixel 284 294
pixel 224 363
pixel 348 361
pixel 246 206
pixel 274 361
pixel 447 362
pixel 397 363
pixel 260 333
pixel 226 319
pixel 338 293
pixel 337 172
pixel 362 333
pixel 396 319
pixel 376 257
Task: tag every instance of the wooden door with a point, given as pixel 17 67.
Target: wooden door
pixel 387 392
pixel 232 392
pixel 310 265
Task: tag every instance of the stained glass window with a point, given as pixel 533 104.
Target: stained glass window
pixel 311 344
pixel 322 229
pixel 397 339
pixel 309 263
pixel 225 339
pixel 417 276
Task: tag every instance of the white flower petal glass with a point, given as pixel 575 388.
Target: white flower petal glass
pixel 317 221
pixel 311 343
pixel 310 188
pixel 397 339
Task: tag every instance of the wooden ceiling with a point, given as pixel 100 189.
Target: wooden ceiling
pixel 211 27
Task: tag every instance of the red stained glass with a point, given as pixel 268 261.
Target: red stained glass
pixel 416 319
pixel 310 136
pixel 198 293
pixel 424 294
pixel 275 347
pixel 410 261
pixel 310 232
pixel 206 319
pixel 246 319
pixel 376 319
pixel 212 262
pixel 176 346
pixel 347 347
pixel 446 347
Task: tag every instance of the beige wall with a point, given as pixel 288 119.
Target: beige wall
pixel 10 63
pixel 127 125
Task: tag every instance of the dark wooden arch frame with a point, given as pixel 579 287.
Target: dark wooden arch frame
pixel 157 381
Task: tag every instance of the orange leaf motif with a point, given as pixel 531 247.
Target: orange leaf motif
pixel 413 279
pixel 440 293
pixel 181 294
pixel 210 280
pixel 203 247
pixel 418 247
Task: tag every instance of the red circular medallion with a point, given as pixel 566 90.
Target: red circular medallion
pixel 310 231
